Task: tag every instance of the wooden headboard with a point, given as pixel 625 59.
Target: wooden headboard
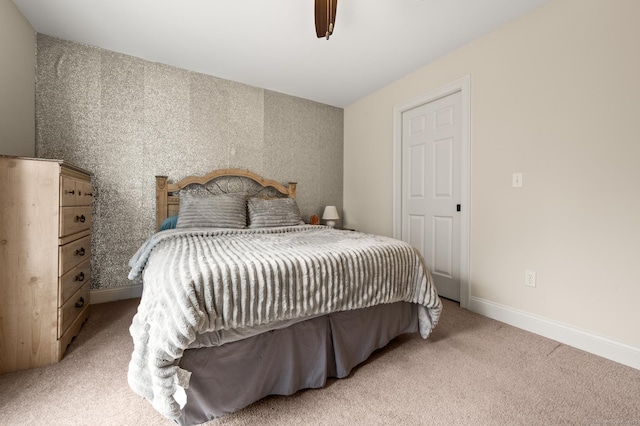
pixel 223 181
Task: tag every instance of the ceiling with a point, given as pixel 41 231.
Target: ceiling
pixel 272 44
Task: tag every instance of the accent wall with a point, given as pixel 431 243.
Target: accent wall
pixel 127 120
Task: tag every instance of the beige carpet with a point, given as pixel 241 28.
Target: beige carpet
pixel 471 371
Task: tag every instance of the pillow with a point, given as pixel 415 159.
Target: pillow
pixel 212 211
pixel 264 213
pixel 169 223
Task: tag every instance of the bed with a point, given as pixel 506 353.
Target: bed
pixel 243 300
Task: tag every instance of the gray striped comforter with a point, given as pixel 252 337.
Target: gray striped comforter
pixel 201 280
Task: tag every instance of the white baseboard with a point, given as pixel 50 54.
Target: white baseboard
pixel 563 333
pixel 105 295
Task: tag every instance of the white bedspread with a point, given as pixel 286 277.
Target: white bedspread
pixel 202 280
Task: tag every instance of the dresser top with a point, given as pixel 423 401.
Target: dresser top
pixel 61 162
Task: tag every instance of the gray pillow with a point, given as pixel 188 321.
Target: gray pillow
pixel 212 211
pixel 265 213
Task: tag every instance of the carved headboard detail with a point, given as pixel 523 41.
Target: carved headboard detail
pixel 223 181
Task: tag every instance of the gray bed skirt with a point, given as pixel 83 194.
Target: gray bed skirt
pixel 228 378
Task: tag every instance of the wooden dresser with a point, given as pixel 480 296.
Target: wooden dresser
pixel 45 259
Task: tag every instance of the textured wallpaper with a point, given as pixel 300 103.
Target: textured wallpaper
pixel 127 120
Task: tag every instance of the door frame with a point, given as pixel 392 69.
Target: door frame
pixel 462 85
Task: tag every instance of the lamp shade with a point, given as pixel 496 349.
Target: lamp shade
pixel 330 215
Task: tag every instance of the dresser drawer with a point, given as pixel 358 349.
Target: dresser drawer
pixel 75 192
pixel 72 254
pixel 74 219
pixel 85 194
pixel 70 282
pixel 70 191
pixel 72 308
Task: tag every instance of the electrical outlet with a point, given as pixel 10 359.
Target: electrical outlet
pixel 530 278
pixel 517 180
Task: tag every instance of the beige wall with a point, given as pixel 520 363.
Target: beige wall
pixel 17 82
pixel 554 95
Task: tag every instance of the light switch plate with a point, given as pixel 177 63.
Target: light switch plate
pixel 517 180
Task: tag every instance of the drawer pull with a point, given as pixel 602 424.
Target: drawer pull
pixel 88 194
pixel 80 303
pixel 70 192
pixel 79 252
pixel 80 218
pixel 80 277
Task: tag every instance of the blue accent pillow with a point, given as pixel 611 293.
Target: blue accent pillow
pixel 169 223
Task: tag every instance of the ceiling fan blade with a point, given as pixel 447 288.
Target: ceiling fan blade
pixel 325 17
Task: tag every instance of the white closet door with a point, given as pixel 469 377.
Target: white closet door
pixel 431 165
